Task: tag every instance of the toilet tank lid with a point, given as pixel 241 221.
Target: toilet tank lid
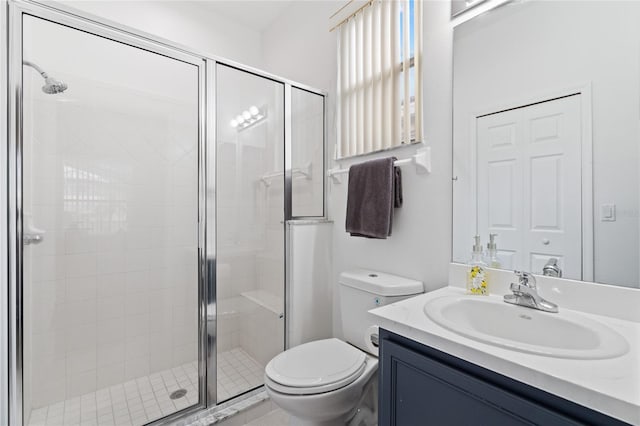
pixel 380 283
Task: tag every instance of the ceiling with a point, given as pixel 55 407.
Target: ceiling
pixel 255 14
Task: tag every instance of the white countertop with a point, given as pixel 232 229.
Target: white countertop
pixel 611 386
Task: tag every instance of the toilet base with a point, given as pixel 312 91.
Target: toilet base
pixel 353 405
pixel 363 416
pixel 364 399
pixel 300 422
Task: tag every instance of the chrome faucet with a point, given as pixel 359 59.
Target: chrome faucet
pixel 551 269
pixel 525 293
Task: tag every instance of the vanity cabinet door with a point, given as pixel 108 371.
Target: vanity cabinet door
pixel 417 390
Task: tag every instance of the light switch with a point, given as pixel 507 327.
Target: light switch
pixel 608 213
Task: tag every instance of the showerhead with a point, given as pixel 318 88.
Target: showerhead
pixel 51 85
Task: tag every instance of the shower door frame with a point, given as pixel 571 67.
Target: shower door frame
pixel 11 13
pixel 16 12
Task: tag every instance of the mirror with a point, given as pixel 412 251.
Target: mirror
pixel 547 138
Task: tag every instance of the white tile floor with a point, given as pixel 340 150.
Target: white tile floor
pixel 132 403
pixel 142 400
pixel 276 417
pixel 238 372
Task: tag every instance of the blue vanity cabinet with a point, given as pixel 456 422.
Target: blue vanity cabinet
pixel 420 385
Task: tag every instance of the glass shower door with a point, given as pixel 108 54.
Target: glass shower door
pixel 307 154
pixel 110 224
pixel 250 231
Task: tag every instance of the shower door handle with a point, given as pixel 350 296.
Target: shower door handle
pixel 31 234
pixel 30 238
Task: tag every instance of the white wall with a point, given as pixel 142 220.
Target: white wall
pixel 189 23
pixel 311 291
pixel 299 46
pixel 522 53
pixel 420 247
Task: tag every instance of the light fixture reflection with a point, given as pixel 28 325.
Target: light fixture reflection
pixel 253 115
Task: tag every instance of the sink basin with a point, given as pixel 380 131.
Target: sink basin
pixel 560 335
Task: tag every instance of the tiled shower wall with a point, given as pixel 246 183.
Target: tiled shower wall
pixel 111 293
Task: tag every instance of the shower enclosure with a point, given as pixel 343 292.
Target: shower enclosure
pixel 148 189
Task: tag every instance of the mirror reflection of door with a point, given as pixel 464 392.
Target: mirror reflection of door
pixel 529 184
pixel 522 54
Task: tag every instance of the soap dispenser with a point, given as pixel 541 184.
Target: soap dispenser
pixel 477 279
pixel 492 252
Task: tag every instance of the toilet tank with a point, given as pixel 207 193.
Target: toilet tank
pixel 362 290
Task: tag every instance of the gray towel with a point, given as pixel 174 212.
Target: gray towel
pixel 375 188
pixel 397 187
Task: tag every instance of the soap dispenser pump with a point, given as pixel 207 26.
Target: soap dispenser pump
pixel 477 280
pixel 492 252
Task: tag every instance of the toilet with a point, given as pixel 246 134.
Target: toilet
pixel 334 382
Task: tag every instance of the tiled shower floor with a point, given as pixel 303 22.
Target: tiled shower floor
pixel 238 372
pixel 145 399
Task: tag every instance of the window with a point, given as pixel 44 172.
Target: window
pixel 379 69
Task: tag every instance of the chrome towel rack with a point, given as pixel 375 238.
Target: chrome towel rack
pixel 421 159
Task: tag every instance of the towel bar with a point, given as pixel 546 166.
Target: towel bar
pixel 303 172
pixel 421 159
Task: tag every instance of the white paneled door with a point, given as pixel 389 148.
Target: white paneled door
pixel 529 184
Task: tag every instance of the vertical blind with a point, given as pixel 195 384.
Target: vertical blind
pixel 379 77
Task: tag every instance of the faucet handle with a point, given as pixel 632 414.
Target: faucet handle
pixel 526 278
pixel 518 289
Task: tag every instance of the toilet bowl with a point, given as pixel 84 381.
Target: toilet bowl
pixel 334 382
pixel 326 383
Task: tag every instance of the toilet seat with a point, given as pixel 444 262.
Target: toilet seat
pixel 315 367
